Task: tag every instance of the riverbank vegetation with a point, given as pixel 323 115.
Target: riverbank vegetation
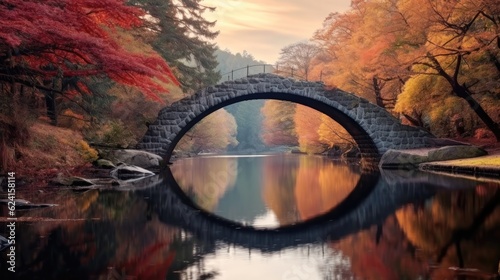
pixel 434 64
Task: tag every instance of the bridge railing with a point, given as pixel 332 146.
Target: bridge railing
pixel 248 70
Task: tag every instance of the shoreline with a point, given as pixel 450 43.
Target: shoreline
pixel 478 168
pixel 476 171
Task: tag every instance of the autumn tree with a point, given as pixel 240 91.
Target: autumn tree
pixel 318 133
pixel 214 133
pixel 182 36
pixel 278 127
pixel 377 46
pixel 345 41
pixel 296 59
pixel 332 134
pixel 307 123
pixel 48 46
pixel 462 36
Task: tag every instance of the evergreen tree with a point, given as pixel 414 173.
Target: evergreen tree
pixel 181 36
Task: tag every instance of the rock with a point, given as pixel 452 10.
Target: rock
pixel 403 159
pixel 104 163
pixel 124 172
pixel 71 181
pixel 455 152
pixel 134 157
pixel 139 183
pixel 410 159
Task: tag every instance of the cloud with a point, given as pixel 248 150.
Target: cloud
pixel 263 27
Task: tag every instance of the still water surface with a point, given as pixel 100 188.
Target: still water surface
pixel 265 217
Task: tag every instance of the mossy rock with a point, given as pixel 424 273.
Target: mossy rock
pixel 410 159
pixel 456 152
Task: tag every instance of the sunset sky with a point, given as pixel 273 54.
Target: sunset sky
pixel 263 27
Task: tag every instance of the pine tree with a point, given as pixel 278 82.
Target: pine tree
pixel 181 36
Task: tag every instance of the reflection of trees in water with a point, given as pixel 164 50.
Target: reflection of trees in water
pixel 457 229
pixel 278 182
pixel 454 229
pixel 205 180
pixel 321 185
pixel 299 188
pixel 381 252
pixel 126 241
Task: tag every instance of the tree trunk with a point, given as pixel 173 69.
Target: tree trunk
pixel 50 102
pixel 464 93
pixel 378 94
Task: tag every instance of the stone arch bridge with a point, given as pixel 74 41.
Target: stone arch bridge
pixel 372 127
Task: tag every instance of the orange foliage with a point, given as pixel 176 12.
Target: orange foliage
pixel 307 122
pixel 278 127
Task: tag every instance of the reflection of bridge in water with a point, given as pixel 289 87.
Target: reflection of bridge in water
pixel 370 203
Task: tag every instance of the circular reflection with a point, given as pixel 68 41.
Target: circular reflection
pixel 266 190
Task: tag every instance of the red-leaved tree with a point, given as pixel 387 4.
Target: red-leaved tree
pixel 45 42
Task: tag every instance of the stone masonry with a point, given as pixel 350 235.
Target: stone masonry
pixel 373 128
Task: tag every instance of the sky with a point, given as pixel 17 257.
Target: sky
pixel 264 27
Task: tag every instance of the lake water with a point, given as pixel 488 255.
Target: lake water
pixel 264 217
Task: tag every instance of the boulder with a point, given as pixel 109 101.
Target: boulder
pixel 104 163
pixel 403 159
pixel 71 181
pixel 124 172
pixel 455 152
pixel 410 159
pixel 139 183
pixel 134 157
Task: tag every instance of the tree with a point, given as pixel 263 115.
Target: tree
pixel 228 62
pixel 355 57
pixel 307 123
pixel 332 134
pixel 214 133
pixel 180 35
pixel 296 59
pixel 377 46
pixel 49 45
pixel 278 124
pixel 460 34
pixel 249 123
pixel 318 133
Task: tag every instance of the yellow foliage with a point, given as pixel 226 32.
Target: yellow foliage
pixel 88 153
pixel 214 133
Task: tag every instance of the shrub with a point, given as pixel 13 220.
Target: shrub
pixel 88 153
pixel 112 134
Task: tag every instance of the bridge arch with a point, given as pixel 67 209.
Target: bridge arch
pixel 373 128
